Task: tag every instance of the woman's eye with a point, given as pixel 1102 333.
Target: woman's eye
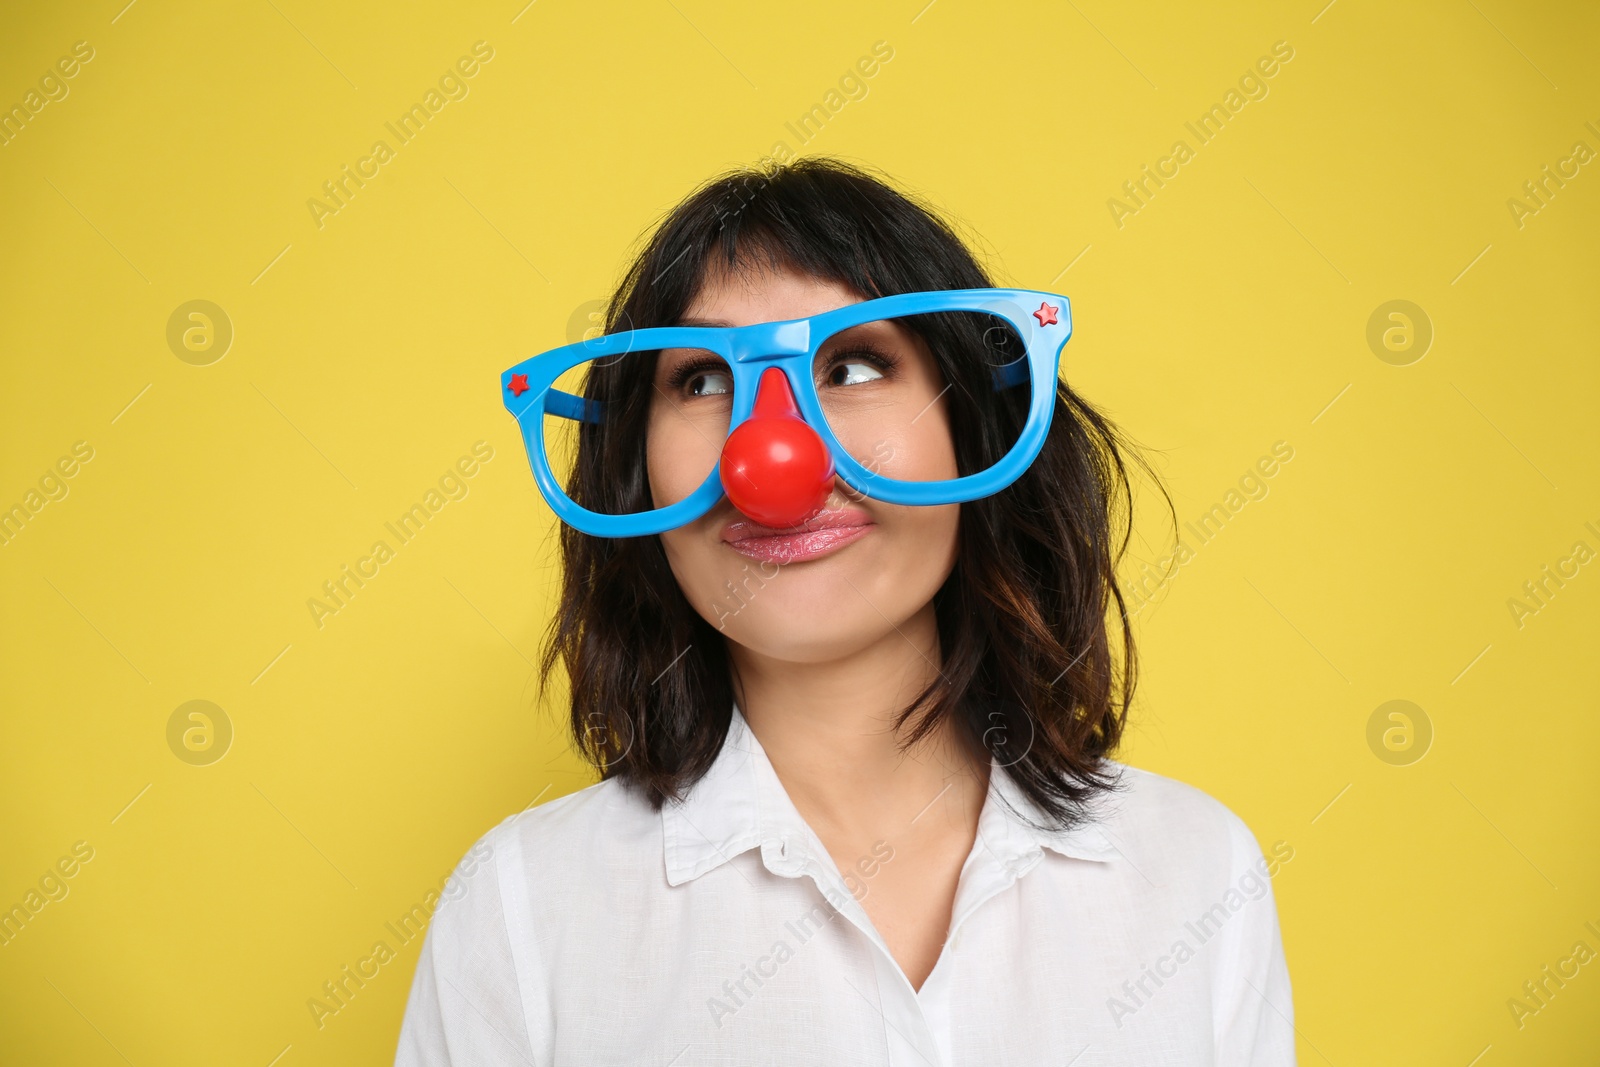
pixel 709 383
pixel 853 373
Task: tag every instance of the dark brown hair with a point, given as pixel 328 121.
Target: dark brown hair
pixel 1030 672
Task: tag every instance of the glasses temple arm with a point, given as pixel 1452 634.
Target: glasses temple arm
pixel 568 406
pixel 1010 375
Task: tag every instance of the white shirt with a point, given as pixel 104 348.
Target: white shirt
pixel 591 930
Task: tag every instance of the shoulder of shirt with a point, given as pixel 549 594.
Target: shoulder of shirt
pixel 1161 821
pixel 576 825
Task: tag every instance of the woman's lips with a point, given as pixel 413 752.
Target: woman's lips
pixel 823 533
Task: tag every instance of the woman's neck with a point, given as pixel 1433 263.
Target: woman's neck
pixel 828 729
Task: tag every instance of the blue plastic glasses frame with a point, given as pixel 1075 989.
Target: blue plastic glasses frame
pixel 1043 320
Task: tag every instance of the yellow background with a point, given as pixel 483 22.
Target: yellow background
pixel 1229 313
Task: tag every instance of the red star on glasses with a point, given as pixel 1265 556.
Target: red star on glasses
pixel 519 384
pixel 1046 314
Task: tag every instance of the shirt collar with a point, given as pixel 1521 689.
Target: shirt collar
pixel 740 804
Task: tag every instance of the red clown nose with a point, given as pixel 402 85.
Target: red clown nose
pixel 775 468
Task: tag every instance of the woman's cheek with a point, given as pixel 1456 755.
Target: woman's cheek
pixel 675 467
pixel 695 566
pixel 921 453
pixel 685 451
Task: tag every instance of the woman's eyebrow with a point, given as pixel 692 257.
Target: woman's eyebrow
pixel 867 330
pixel 864 327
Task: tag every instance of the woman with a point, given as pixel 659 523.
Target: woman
pixel 857 805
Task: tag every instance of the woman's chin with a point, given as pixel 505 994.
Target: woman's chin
pixel 805 630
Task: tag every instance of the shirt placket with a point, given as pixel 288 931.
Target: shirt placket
pixel 907 1037
pixel 917 1024
pixel 987 876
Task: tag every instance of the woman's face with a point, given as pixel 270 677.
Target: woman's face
pixel 854 574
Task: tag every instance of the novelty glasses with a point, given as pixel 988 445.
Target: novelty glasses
pixel 919 398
